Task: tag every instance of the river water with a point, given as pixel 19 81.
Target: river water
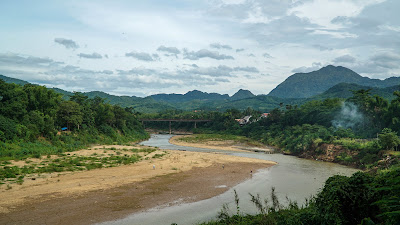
pixel 294 178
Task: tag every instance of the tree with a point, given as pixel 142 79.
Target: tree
pixel 388 139
pixel 393 114
pixel 79 98
pixel 69 114
pixel 347 200
pixel 42 99
pixel 13 101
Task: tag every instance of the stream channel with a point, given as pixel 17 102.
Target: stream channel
pixel 292 177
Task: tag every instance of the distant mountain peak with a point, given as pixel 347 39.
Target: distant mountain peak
pixel 242 94
pixel 305 85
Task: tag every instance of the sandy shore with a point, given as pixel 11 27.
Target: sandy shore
pixel 227 145
pixel 111 193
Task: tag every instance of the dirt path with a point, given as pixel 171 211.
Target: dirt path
pixel 112 193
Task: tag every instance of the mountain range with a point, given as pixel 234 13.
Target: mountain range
pixel 305 85
pixel 327 82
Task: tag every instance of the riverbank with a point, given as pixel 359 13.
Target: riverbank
pixel 219 143
pixel 105 194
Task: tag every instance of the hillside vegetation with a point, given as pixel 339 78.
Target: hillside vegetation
pixel 243 99
pixel 32 118
pixel 305 85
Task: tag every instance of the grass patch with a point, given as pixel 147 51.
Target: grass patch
pixel 156 156
pixel 66 163
pixel 203 138
pixel 354 144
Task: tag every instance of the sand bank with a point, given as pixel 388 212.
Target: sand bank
pixel 111 193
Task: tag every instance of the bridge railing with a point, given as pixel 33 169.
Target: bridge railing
pixel 175 120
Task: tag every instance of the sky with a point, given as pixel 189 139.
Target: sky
pixel 140 48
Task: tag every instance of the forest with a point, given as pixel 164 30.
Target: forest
pixel 36 121
pixel 364 127
pixel 363 131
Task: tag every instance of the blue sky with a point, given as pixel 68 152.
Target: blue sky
pixel 147 47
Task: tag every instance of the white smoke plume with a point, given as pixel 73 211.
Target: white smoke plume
pixel 348 117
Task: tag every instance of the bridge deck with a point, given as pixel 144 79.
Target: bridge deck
pixel 176 120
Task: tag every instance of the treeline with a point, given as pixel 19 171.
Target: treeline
pixel 221 121
pixel 32 118
pixel 364 115
pixel 362 127
pixel 360 199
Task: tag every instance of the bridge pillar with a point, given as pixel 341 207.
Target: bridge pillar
pixel 195 125
pixel 170 132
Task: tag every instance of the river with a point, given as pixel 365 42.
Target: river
pixel 292 177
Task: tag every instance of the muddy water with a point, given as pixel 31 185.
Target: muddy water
pixel 292 177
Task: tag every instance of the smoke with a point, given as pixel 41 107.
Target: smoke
pixel 348 117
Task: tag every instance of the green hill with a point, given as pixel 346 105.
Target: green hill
pixel 261 103
pixel 344 90
pixel 296 86
pixel 13 80
pixel 242 94
pixel 189 96
pixel 305 85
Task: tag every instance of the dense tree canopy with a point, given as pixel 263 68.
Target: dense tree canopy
pixel 31 112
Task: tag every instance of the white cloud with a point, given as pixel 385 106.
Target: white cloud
pixel 345 59
pixel 68 43
pixel 322 12
pixel 256 16
pixel 142 56
pixel 204 53
pixel 220 46
pixel 296 33
pixel 94 55
pixel 172 50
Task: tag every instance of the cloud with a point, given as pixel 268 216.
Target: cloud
pixel 387 60
pixel 240 50
pixel 142 56
pixel 94 55
pixel 172 50
pixel 266 55
pixel 322 48
pixel 68 43
pixel 75 70
pixel 345 59
pixel 220 46
pixel 204 53
pixel 12 59
pixel 140 71
pixel 251 55
pixel 156 79
pixel 109 72
pixel 155 56
pixel 304 69
pixel 45 71
pixel 247 69
pixel 220 71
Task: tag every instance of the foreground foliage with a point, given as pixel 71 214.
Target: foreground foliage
pixel 359 199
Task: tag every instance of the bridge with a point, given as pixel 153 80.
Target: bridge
pixel 175 120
